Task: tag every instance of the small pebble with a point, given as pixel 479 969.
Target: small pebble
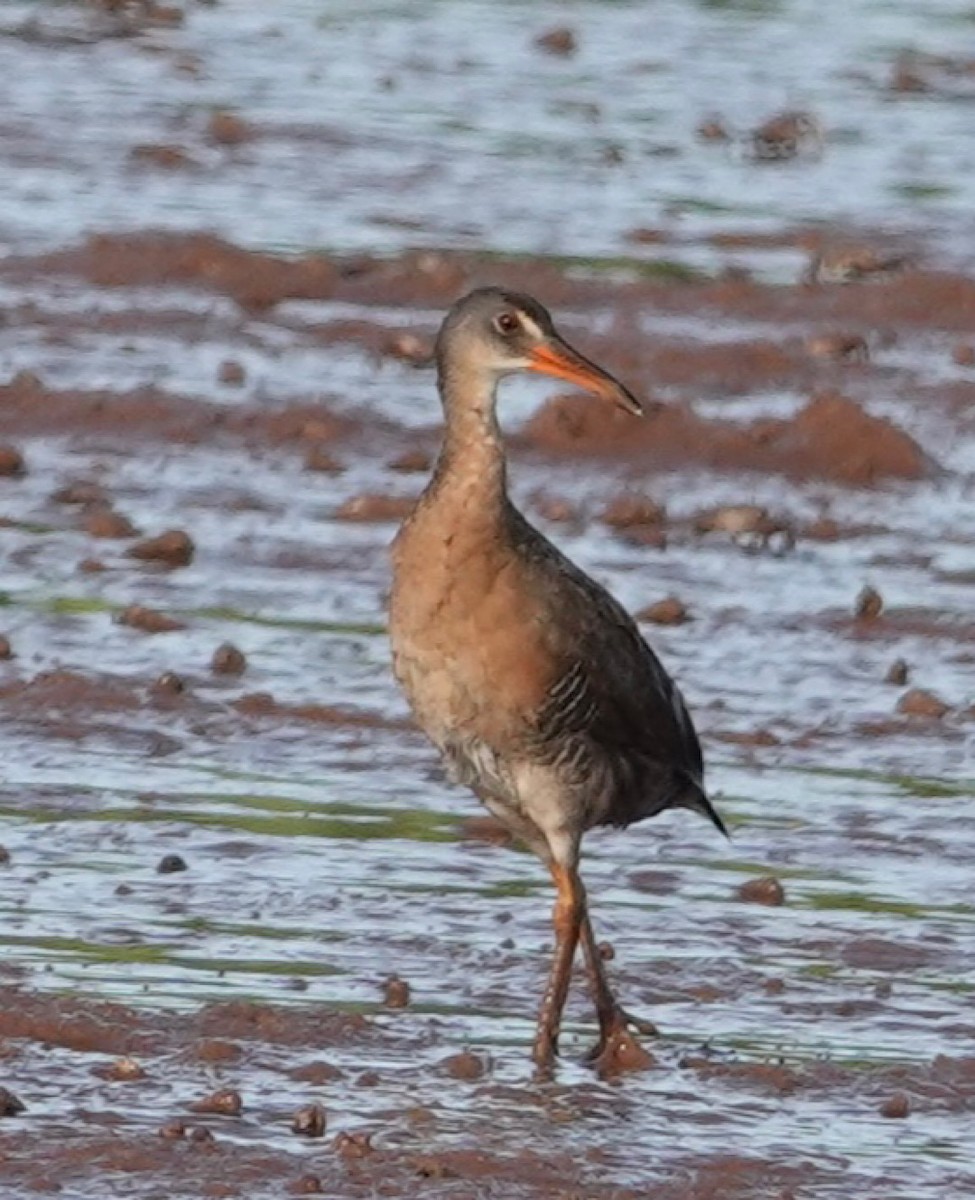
pixel 226 1102
pixel 765 890
pixel 310 1121
pixel 6 652
pixel 227 129
pixel 920 703
pixel 606 951
pixel 353 1145
pixel 898 673
pixel 174 548
pixel 869 604
pixel 561 41
pixel 123 1070
pixel 12 465
pixel 170 864
pixel 897 1107
pixel 228 660
pixel 396 992
pixel 713 129
pixel 172 1131
pixel 964 354
pixel 168 684
pixel 201 1136
pixel 4 857
pixel 231 373
pixel 669 611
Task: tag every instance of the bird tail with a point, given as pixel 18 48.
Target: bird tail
pixel 696 799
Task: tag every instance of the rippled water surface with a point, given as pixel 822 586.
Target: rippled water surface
pixel 324 850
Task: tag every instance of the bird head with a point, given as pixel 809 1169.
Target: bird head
pixel 497 332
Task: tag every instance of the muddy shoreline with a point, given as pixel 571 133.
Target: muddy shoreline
pixel 112 636
pixel 221 838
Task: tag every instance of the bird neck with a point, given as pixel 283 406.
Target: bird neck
pixel 472 457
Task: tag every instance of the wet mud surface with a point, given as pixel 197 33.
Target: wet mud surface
pixel 252 943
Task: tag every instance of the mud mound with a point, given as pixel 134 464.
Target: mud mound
pixel 254 280
pixel 832 438
pixel 30 407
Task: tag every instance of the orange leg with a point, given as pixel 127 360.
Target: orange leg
pixel 613 1019
pixel 567 917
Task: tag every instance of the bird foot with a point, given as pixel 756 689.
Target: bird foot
pixel 618 1050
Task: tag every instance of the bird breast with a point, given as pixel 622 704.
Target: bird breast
pixel 468 636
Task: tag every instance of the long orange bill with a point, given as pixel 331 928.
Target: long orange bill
pixel 560 360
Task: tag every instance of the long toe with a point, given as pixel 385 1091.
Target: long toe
pixel 618 1050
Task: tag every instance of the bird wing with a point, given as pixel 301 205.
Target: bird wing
pixel 611 702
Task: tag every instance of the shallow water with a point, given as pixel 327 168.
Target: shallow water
pixel 381 126
pixel 324 851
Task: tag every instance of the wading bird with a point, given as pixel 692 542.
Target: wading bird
pixel 533 683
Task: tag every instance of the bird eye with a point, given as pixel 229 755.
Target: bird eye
pixel 506 323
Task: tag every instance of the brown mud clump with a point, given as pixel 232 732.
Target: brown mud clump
pixel 225 1103
pixel 171 864
pixel 10 1105
pixel 560 41
pixel 174 548
pixel 228 660
pixel 375 508
pixel 921 703
pixel 353 1144
pixel 464 1065
pixel 896 1108
pixel 12 465
pixel 669 611
pixel 122 1070
pixel 109 524
pixel 898 673
pixel 765 890
pixel 227 129
pixel 310 1121
pixel 396 992
pixel 231 373
pixel 148 620
pixel 869 604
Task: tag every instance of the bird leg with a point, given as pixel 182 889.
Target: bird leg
pixel 612 1018
pixel 567 916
